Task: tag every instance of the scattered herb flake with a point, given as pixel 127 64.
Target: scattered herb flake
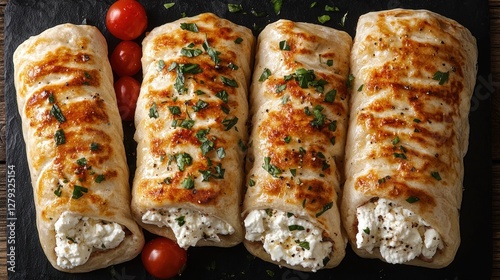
pixel 284 46
pixel 412 199
pixel 188 183
pixel 329 8
pixel 99 178
pixel 180 221
pixel 330 96
pixel 324 18
pixel 58 191
pixel 222 95
pixel 436 175
pixel 326 207
pixel 153 111
pixel 400 155
pixel 265 74
pixel 251 182
pixel 271 168
pixel 81 161
pixel 57 113
pixel 229 123
pixel 229 82
pixel 277 4
pixel 295 227
pixel 168 5
pixel 94 146
pixel 190 27
pixel 342 20
pixel 367 230
pixel 304 244
pixel 234 8
pixel 174 110
pixel 442 77
pixel 238 40
pixel 78 191
pixel 59 137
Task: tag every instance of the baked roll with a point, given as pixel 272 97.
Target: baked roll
pixel 191 131
pixel 299 111
pixel 74 145
pixel 414 73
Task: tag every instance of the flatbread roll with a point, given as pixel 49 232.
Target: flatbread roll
pixel 74 145
pixel 191 130
pixel 299 111
pixel 414 75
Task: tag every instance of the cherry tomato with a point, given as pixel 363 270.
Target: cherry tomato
pixel 126 58
pixel 126 19
pixel 127 91
pixel 163 258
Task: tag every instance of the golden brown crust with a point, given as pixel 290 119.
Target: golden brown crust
pixel 65 88
pixel 408 127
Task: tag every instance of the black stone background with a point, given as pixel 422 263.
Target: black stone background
pixel 474 258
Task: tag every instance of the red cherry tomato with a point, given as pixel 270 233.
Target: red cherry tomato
pixel 126 58
pixel 127 91
pixel 163 258
pixel 126 19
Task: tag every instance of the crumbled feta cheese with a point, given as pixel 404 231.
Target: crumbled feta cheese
pixel 400 234
pixel 77 237
pixel 289 238
pixel 188 226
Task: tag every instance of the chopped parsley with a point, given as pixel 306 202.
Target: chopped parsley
pixel 284 46
pixel 58 191
pixel 153 111
pixel 57 113
pixel 200 105
pixel 326 207
pixel 234 8
pixel 271 168
pixel 295 227
pixel 190 27
pixel 319 117
pixel 168 5
pixel 183 159
pixel 180 221
pixel 277 4
pixel 174 110
pixel 99 178
pixel 78 191
pixel 229 82
pixel 94 146
pixel 324 18
pixel 229 123
pixel 214 54
pixel 436 175
pixel 222 95
pixel 188 183
pixel 442 77
pixel 59 137
pixel 81 161
pixel 330 96
pixel 412 199
pixel 265 74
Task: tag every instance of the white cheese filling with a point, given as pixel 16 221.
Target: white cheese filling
pixel 189 226
pixel 77 237
pixel 289 238
pixel 400 234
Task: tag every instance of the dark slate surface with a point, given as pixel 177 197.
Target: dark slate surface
pixel 473 261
